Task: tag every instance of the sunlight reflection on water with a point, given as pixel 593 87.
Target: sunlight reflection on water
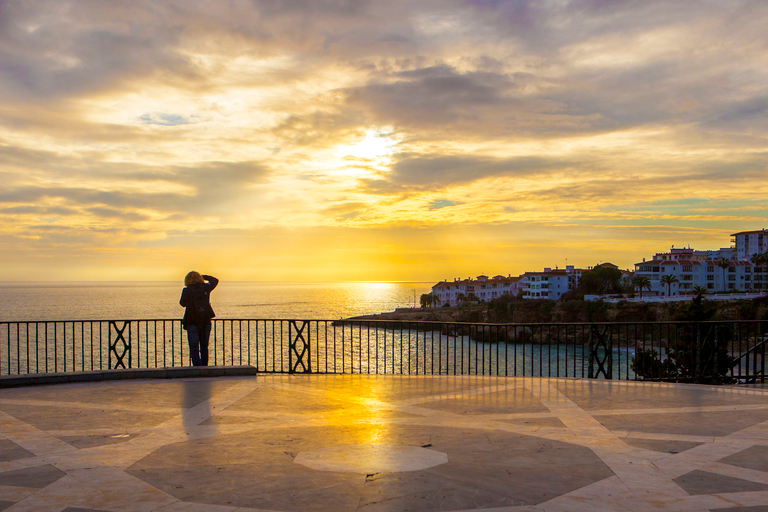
pixel 122 300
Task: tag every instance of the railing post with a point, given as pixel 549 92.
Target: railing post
pixel 113 345
pixel 299 347
pixel 597 364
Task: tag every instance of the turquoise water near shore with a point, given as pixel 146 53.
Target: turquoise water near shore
pixel 263 300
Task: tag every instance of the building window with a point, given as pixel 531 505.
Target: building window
pixel 687 277
pixel 710 268
pixel 731 278
pixel 687 268
pixel 710 277
pixel 710 286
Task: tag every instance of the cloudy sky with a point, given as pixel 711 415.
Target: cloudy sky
pixel 326 140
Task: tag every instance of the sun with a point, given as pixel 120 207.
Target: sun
pixel 377 144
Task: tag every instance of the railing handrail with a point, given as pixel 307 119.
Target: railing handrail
pixel 390 321
pixel 623 350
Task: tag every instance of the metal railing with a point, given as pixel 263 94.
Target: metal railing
pixel 671 351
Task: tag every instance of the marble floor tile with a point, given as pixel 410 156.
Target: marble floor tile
pixel 388 442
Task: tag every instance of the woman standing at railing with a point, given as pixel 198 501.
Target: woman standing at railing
pixel 196 297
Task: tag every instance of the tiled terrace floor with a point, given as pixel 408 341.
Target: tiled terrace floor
pixel 375 443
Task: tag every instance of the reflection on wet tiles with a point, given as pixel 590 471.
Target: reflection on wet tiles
pixel 502 446
pixel 689 423
pixel 397 387
pixel 537 422
pixel 262 485
pixel 242 416
pixel 282 400
pixel 505 401
pixel 594 395
pixel 508 468
pixel 36 477
pixel 148 393
pixel 703 482
pixel 11 451
pixel 755 457
pixel 90 441
pixel 69 418
pixel 660 445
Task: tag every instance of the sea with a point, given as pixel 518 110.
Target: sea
pixel 39 301
pixel 349 349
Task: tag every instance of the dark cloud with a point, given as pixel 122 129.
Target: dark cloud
pixel 416 173
pixel 437 94
pixel 52 50
pixel 39 210
pixel 214 187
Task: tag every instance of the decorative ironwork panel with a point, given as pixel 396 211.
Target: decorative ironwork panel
pixel 119 346
pixel 299 353
pixel 600 352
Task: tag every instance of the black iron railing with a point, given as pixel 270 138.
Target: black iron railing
pixel 672 351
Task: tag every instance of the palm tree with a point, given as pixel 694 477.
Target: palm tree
pixel 699 291
pixel 641 282
pixel 426 300
pixel 668 280
pixel 760 260
pixel 723 263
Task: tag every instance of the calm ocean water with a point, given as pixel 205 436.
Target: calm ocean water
pixel 140 300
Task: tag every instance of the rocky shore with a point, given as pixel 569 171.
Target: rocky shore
pixel 546 311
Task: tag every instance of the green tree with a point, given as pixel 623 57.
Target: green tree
pixel 640 283
pixel 761 260
pixel 669 280
pixel 699 291
pixel 697 348
pixel 724 263
pixel 600 280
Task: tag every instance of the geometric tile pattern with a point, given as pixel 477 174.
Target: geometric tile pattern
pixel 378 443
pixel 703 482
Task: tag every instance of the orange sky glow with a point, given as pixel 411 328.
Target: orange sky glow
pixel 342 140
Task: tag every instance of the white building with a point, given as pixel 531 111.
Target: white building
pixel 748 243
pixel 482 288
pixel 693 268
pixel 549 284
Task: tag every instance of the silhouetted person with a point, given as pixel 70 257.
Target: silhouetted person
pixel 197 317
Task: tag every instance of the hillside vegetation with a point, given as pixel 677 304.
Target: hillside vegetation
pixel 508 309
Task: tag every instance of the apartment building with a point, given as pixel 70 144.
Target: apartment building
pixel 748 243
pixel 549 284
pixel 693 268
pixel 483 288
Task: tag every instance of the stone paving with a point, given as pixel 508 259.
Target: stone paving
pixel 383 443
